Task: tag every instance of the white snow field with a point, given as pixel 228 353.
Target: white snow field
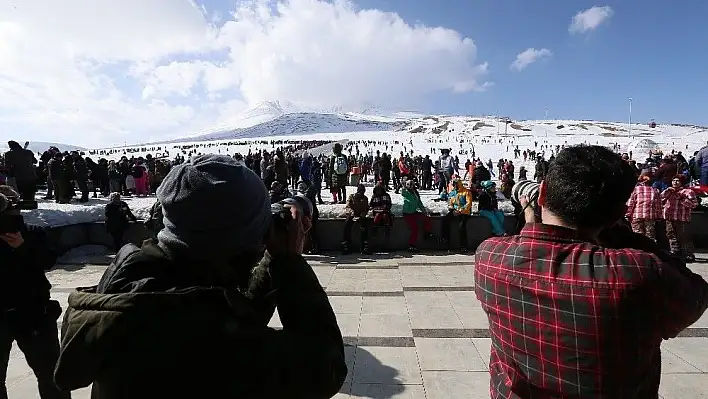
pixel 489 137
pixel 51 214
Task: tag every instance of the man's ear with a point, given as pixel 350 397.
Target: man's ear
pixel 542 194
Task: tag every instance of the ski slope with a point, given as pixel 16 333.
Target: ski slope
pixel 489 137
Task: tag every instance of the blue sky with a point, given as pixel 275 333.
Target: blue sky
pixel 655 52
pixel 146 70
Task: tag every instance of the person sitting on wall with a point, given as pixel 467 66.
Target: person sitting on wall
pixel 381 208
pixel 489 207
pixel 118 217
pixel 413 212
pixel 356 210
pixel 460 208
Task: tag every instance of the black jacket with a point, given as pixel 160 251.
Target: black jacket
pixel 488 201
pixel 118 216
pixel 23 286
pixel 479 175
pixel 154 327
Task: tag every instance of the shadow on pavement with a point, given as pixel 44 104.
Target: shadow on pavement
pixel 379 381
pixel 339 259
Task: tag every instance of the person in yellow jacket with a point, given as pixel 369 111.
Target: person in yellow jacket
pixel 459 210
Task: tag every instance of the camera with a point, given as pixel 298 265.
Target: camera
pixel 282 214
pixel 525 188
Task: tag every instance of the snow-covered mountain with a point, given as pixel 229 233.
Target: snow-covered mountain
pixel 283 118
pixel 305 123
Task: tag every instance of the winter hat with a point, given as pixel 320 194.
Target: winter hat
pixel 488 184
pixel 213 206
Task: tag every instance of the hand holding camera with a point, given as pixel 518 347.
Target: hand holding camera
pixel 292 219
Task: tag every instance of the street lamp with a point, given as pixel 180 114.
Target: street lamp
pixel 630 118
pixel 546 124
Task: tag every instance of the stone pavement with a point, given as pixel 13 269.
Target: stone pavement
pixel 412 326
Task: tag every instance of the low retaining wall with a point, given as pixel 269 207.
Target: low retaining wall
pixel 330 233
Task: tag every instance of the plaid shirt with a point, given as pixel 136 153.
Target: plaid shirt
pixel 678 204
pixel 569 318
pixel 644 203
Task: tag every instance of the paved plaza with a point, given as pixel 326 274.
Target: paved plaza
pixel 412 326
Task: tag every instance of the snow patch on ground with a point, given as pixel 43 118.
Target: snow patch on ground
pixel 51 214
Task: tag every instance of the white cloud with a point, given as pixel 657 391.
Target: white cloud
pixel 590 19
pixel 529 56
pixel 103 72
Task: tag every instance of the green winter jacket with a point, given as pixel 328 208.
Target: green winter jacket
pixel 411 202
pixel 155 336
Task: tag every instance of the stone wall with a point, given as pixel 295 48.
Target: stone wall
pixel 330 233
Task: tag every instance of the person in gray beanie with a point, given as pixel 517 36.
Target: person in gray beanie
pixel 186 315
pixel 213 205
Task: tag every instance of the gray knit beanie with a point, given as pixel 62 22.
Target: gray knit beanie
pixel 214 207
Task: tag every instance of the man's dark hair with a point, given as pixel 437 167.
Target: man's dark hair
pixel 587 185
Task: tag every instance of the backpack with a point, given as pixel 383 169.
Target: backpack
pixel 340 165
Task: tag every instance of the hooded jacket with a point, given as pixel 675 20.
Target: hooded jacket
pixel 159 328
pixel 488 201
pixel 460 199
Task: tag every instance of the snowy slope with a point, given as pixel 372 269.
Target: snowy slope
pixel 406 131
pixel 488 137
pixel 304 123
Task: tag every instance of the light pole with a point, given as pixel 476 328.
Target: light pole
pixel 630 118
pixel 546 124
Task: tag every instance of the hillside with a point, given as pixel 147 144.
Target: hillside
pixel 305 123
pixel 489 137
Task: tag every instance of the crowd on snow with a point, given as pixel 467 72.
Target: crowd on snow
pixel 662 192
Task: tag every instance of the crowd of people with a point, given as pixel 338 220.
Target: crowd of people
pixel 192 303
pixel 662 191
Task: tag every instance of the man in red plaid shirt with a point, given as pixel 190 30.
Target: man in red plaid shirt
pixel 578 305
